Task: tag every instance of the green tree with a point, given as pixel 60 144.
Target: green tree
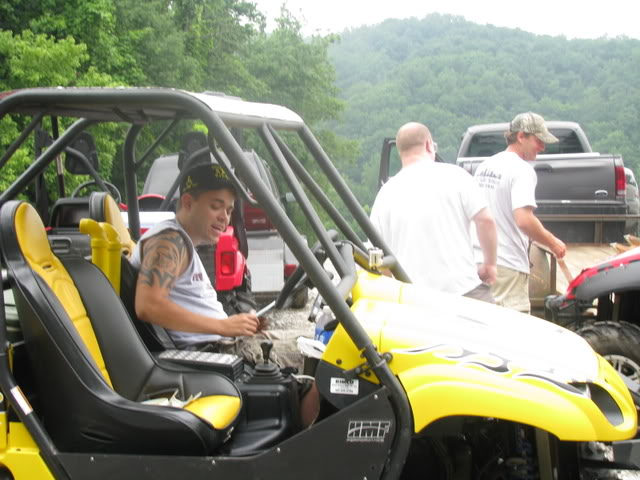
pixel 450 73
pixel 198 45
pixel 33 60
pixel 294 71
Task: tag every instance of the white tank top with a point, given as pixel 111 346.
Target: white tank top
pixel 192 290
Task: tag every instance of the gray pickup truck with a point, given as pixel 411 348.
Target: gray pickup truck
pixel 581 194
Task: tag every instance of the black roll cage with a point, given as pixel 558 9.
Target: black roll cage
pixel 139 106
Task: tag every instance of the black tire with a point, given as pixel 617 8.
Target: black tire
pixel 618 342
pixel 5 474
pixel 428 458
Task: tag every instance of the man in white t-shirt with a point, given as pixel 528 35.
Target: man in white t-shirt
pixel 508 181
pixel 424 213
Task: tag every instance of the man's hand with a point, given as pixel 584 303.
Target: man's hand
pixel 532 228
pixel 488 273
pixel 558 248
pixel 242 324
pixel 263 321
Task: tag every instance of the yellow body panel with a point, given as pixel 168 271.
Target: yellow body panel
pixel 460 357
pixel 439 391
pixel 21 455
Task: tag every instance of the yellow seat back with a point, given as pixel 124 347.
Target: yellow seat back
pixel 113 217
pixel 35 248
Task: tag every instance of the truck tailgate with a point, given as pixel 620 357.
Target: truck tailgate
pixel 586 178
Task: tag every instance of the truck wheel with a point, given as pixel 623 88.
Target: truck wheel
pixel 617 342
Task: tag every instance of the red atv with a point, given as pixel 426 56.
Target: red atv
pixel 602 304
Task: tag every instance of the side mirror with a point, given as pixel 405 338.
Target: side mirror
pixel 82 156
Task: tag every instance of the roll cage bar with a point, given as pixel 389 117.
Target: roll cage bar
pixel 139 106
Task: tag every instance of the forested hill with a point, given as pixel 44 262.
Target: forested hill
pixel 450 73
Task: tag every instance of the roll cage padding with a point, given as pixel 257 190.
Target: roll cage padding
pixel 80 410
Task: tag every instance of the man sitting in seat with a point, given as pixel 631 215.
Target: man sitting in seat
pixel 173 289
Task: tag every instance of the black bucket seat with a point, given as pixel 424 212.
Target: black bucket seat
pixel 92 371
pixel 103 208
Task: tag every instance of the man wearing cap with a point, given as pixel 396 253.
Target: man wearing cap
pixel 173 289
pixel 509 181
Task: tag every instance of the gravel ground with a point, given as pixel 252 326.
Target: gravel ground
pixel 292 318
pixel 292 323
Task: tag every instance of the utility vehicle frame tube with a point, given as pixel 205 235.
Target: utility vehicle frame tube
pixel 398 397
pixel 234 179
pixel 55 131
pixel 331 295
pixel 317 192
pixel 348 279
pixel 130 182
pixel 43 160
pixel 349 199
pixel 305 204
pixel 180 102
pixel 156 142
pixel 20 140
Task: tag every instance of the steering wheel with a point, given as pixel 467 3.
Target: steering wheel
pixel 299 276
pixel 113 189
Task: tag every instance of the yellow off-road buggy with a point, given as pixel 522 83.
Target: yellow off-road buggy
pixel 413 383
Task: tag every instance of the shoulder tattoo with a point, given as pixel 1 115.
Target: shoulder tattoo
pixel 164 257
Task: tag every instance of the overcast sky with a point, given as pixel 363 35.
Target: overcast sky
pixel 571 18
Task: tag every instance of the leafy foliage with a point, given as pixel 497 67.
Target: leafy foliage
pixel 295 72
pixel 33 60
pixel 199 45
pixel 450 74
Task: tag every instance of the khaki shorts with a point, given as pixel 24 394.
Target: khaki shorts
pixel 481 292
pixel 511 289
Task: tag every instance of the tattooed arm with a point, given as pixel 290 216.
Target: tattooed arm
pixel 165 257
